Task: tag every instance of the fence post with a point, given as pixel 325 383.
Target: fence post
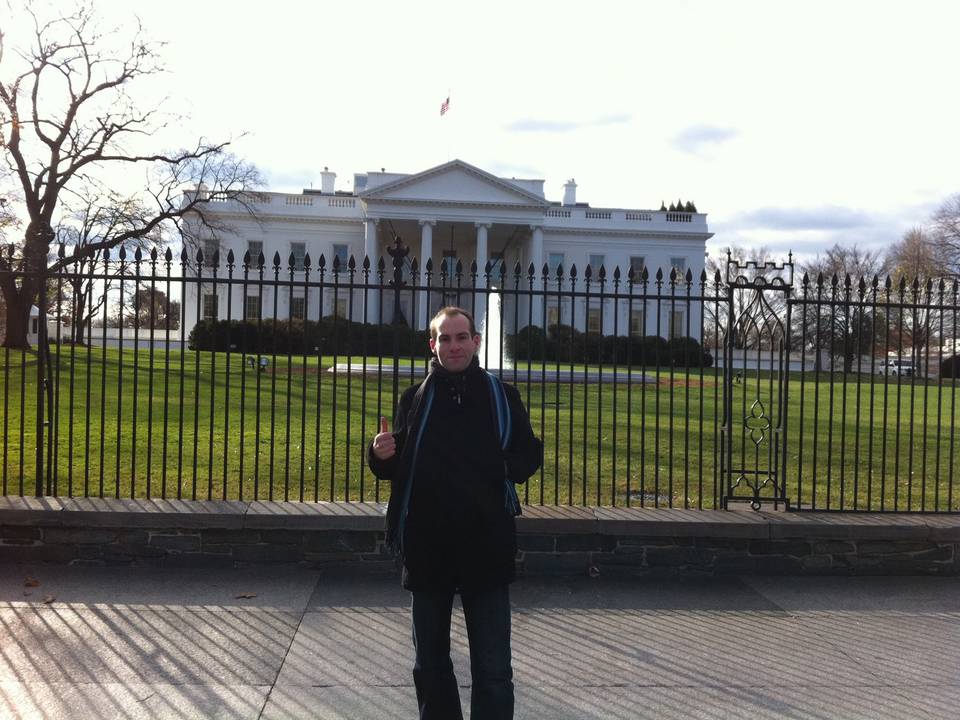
pixel 399 253
pixel 41 378
pixel 726 449
pixel 785 380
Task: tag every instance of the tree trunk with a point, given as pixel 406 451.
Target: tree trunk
pixel 19 300
pixel 78 331
pixel 18 321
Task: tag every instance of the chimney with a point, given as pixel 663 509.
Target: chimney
pixel 570 193
pixel 327 181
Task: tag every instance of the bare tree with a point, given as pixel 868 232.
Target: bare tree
pixel 93 217
pixel 68 115
pixel 8 221
pixel 715 314
pixel 915 265
pixel 918 254
pixel 151 308
pixel 839 320
pixel 945 231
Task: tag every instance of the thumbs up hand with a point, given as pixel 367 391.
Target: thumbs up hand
pixel 384 444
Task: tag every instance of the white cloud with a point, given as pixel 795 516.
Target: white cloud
pixel 563 126
pixel 697 137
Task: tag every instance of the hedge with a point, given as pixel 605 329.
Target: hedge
pixel 337 335
pixel 329 335
pixel 950 367
pixel 566 344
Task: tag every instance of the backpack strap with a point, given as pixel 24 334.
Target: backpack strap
pixel 511 500
pixel 424 414
pixel 502 409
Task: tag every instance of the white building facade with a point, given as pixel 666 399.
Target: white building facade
pixel 451 213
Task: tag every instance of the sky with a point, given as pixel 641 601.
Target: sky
pixel 792 125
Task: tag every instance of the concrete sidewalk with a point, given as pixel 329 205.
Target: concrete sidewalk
pixel 139 643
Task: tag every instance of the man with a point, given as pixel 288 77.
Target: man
pixel 460 441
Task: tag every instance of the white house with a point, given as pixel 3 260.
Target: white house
pixel 449 213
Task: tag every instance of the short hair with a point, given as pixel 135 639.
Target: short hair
pixel 450 311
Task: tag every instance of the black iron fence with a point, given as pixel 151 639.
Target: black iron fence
pixel 153 375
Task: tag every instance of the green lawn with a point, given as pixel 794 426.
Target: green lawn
pixel 188 428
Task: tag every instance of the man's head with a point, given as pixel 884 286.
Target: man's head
pixel 454 338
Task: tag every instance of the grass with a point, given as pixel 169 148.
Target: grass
pixel 178 426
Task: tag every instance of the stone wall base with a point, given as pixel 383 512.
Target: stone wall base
pixel 591 541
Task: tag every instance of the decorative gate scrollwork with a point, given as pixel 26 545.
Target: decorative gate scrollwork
pixel 755 382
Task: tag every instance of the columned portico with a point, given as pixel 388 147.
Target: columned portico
pixel 426 253
pixel 465 215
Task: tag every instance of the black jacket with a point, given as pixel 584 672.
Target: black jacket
pixel 458 532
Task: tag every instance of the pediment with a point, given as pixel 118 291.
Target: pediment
pixel 455 182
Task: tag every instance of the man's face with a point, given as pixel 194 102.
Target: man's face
pixel 454 346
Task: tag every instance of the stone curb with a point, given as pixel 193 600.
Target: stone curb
pixel 536 519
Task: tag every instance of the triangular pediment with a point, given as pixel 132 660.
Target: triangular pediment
pixel 455 182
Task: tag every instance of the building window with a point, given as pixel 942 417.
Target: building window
pixel 638 323
pixel 637 264
pixel 449 262
pixel 342 253
pixel 596 262
pixel 210 306
pixel 210 246
pixel 553 316
pixel 298 307
pixel 680 265
pixel 340 310
pixel 593 320
pixel 251 307
pixel 676 324
pixel 299 251
pixel 255 248
pixel 554 261
pixel 34 326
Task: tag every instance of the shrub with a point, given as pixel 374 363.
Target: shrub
pixel 331 335
pixel 950 367
pixel 565 344
pixel 335 335
pixel 686 352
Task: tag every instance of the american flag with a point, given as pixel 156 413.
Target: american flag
pixel 444 106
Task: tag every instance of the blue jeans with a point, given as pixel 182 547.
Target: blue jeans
pixel 487 616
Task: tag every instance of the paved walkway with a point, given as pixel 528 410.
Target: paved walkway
pixel 139 643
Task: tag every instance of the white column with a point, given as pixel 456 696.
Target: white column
pixel 480 312
pixel 536 250
pixel 426 252
pixel 370 249
pixel 482 229
pixel 536 257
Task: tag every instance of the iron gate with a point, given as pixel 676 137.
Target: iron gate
pixel 756 383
